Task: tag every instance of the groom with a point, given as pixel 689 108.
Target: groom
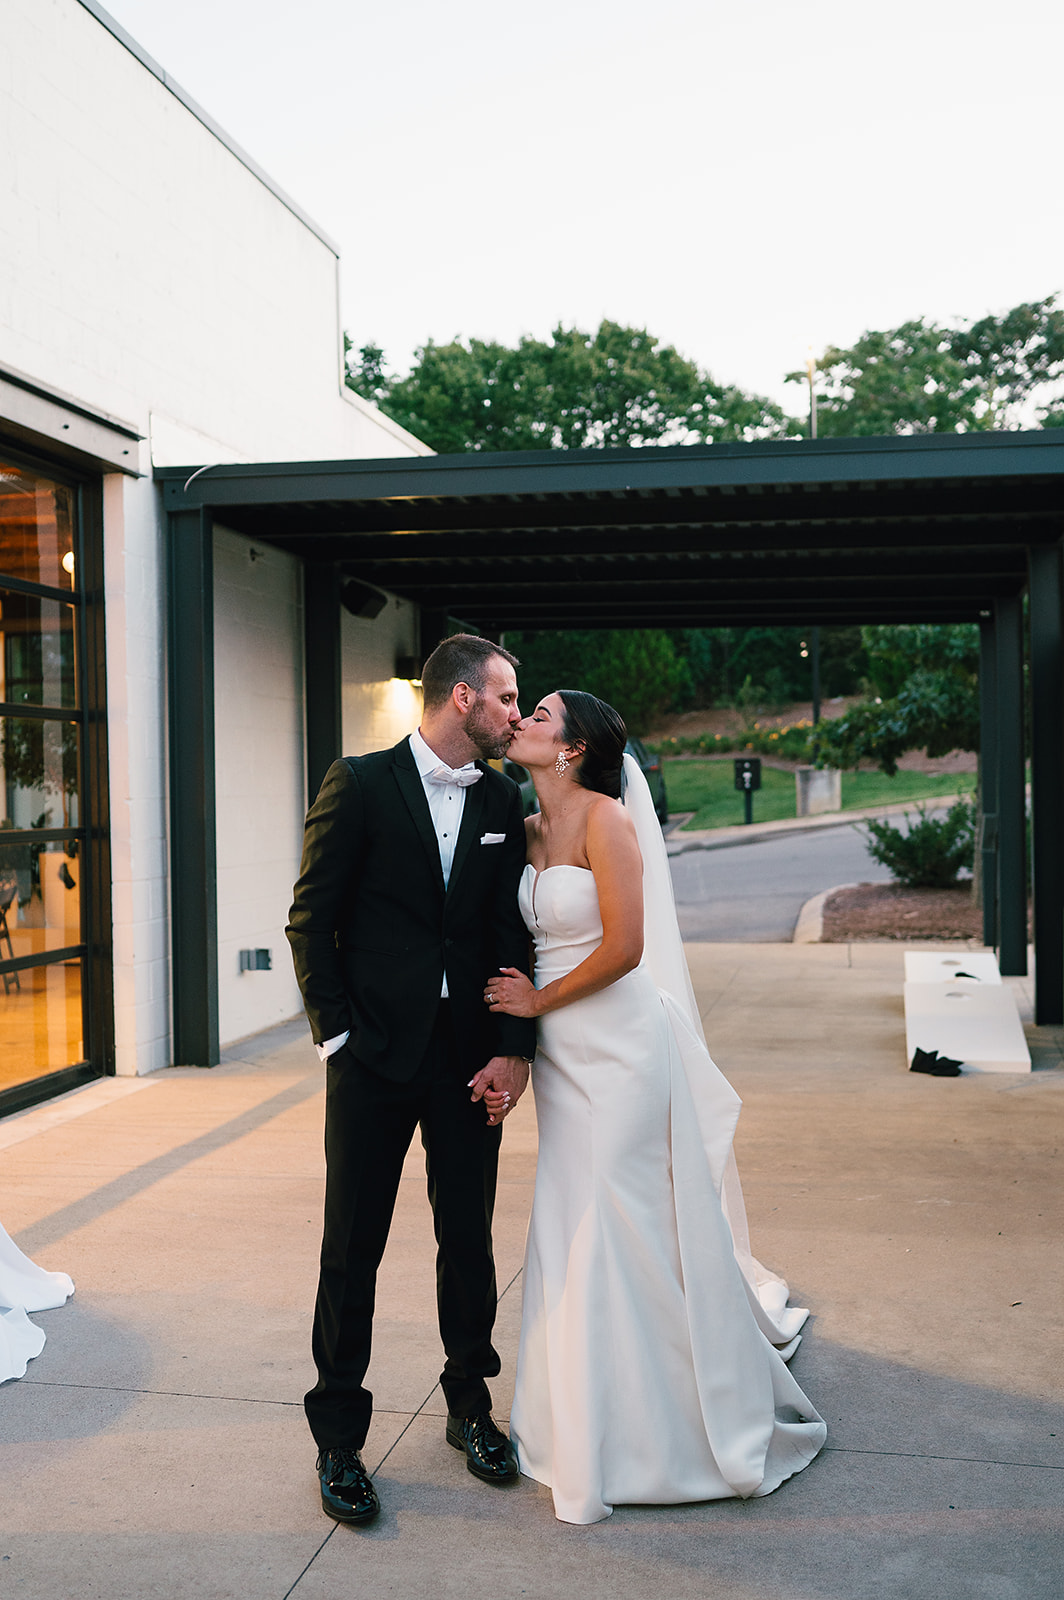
pixel 405 904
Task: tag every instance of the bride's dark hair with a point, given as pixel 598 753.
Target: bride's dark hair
pixel 601 731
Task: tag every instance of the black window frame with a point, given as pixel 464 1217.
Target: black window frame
pixel 96 948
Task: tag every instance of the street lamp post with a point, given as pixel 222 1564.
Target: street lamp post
pixel 814 637
pixel 809 650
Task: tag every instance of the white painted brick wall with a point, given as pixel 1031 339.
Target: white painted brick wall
pixel 260 756
pixel 259 774
pixel 378 708
pixel 146 268
pixel 146 271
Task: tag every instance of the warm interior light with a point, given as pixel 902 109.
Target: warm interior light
pixel 68 562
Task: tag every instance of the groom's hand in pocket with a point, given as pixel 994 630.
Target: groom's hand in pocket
pixel 500 1085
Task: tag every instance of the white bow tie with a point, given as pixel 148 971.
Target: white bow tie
pixel 462 776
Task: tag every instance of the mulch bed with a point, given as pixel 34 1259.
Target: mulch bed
pixel 890 911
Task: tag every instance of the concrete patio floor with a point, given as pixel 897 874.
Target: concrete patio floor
pixel 157 1447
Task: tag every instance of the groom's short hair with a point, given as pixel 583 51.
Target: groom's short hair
pixel 463 658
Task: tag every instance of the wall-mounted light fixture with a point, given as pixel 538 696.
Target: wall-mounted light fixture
pixel 408 667
pixel 361 600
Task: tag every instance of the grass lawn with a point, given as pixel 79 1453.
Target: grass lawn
pixel 708 789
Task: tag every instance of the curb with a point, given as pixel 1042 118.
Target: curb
pixel 809 929
pixel 724 838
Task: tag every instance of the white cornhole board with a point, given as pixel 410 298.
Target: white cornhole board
pixel 972 1020
pixel 940 966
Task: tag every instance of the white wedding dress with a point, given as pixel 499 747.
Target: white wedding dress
pixel 651 1366
pixel 24 1287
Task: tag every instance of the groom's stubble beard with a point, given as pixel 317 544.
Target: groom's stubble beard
pixel 491 744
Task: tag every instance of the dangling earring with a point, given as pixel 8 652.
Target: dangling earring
pixel 562 764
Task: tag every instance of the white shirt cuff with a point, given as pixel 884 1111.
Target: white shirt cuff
pixel 331 1046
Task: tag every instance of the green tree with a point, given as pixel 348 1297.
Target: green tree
pixel 637 670
pixel 575 390
pixel 995 373
pixel 931 675
pixel 364 370
pixel 721 659
pixel 1011 360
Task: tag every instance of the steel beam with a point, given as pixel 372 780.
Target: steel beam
pixel 740 616
pixel 988 776
pixel 193 864
pixel 1012 820
pixel 959 516
pixel 418 561
pixel 585 589
pixel 651 613
pixel 98 931
pixel 876 468
pixel 323 696
pixel 433 626
pixel 1046 608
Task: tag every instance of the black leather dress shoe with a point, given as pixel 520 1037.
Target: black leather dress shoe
pixel 346 1491
pixel 489 1453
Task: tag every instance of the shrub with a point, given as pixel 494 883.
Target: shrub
pixel 933 851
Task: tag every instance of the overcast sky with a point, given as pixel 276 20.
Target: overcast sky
pixel 745 179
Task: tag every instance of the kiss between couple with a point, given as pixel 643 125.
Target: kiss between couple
pixel 652 1356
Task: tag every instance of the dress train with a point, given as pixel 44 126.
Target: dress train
pixel 24 1287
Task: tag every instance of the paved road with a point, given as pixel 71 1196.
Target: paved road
pixel 754 892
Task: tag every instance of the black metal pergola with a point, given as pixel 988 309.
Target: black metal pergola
pixel 831 531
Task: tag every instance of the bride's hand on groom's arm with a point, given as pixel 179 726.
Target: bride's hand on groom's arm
pixel 512 993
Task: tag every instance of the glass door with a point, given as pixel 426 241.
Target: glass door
pixel 44 864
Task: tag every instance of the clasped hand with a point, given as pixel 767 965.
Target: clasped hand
pixel 500 1085
pixel 512 993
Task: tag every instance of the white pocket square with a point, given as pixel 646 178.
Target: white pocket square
pixel 493 838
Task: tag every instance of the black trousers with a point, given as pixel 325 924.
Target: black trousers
pixel 369 1123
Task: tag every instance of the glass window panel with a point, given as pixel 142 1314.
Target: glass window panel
pixel 40 1022
pixel 40 897
pixel 38 774
pixel 37 661
pixel 36 528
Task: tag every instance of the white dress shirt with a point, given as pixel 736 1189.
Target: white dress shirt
pixel 446 805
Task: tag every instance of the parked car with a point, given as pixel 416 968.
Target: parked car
pixel 649 765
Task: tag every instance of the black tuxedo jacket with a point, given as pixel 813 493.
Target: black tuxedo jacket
pixel 373 931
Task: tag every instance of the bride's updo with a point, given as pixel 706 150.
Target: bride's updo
pixel 601 731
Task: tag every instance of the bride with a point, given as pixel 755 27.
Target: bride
pixel 24 1286
pixel 651 1363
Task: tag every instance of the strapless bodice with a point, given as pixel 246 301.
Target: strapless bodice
pixel 561 911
